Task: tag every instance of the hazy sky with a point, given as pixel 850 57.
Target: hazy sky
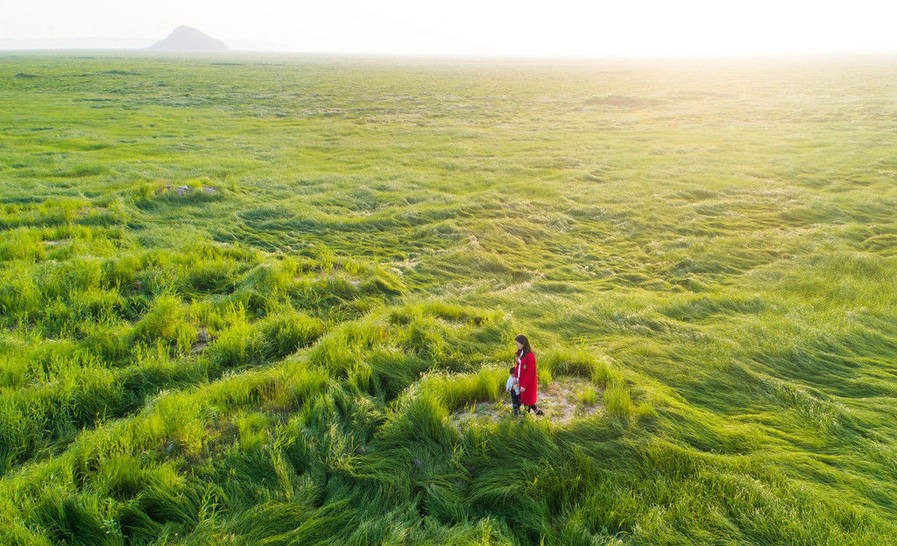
pixel 480 27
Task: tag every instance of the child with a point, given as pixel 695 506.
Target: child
pixel 513 387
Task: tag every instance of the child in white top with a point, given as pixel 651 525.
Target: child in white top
pixel 513 386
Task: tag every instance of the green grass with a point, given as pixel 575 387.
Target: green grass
pixel 276 360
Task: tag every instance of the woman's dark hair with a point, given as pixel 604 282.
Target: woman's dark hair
pixel 525 342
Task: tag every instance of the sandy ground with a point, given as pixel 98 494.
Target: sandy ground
pixel 562 400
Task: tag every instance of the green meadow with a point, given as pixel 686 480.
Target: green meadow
pixel 254 300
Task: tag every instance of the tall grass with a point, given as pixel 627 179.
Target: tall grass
pixel 277 355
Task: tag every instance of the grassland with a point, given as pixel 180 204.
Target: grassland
pixel 276 355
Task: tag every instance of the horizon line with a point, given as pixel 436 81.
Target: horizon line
pixel 463 55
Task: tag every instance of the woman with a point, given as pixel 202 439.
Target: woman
pixel 526 375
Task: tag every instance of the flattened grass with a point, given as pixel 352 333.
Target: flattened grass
pixel 273 354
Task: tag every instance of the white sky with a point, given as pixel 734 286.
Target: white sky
pixel 478 27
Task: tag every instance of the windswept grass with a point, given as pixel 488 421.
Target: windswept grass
pixel 244 300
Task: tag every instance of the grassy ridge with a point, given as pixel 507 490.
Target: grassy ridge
pixel 272 357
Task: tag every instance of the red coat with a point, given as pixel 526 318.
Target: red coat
pixel 526 376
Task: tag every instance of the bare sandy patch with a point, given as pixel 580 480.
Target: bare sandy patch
pixel 562 400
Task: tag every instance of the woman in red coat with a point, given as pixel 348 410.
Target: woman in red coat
pixel 526 374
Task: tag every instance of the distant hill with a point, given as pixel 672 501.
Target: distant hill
pixel 186 38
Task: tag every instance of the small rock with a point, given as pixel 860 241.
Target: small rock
pixel 181 190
